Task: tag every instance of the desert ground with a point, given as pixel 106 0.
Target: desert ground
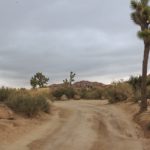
pixel 76 125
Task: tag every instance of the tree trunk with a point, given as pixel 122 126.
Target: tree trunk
pixel 144 78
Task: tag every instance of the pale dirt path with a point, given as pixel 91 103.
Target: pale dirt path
pixel 83 125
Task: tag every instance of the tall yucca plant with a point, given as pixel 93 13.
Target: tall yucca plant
pixel 141 17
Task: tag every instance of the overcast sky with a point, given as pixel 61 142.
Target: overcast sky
pixel 94 38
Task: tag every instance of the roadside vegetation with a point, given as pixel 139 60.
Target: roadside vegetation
pixel 129 90
pixel 141 17
pixel 31 102
pixel 119 91
pixel 28 105
pixel 23 102
pixel 114 92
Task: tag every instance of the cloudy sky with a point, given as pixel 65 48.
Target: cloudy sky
pixel 94 38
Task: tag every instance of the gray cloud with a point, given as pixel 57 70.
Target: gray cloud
pixel 94 38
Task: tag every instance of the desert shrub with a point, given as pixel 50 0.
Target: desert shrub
pixel 57 93
pixel 135 82
pixel 116 95
pixel 68 91
pixel 45 92
pixel 95 93
pixel 27 105
pixel 148 92
pixel 136 95
pixel 119 92
pixel 42 104
pixel 83 93
pixel 5 93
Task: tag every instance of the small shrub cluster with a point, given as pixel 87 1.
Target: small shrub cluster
pixel 116 95
pixel 45 92
pixel 68 91
pixel 135 82
pixel 28 105
pixel 119 92
pixel 136 96
pixel 71 93
pixel 95 93
pixel 5 93
pixel 148 92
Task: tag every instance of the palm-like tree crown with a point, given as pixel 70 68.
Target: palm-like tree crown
pixel 141 17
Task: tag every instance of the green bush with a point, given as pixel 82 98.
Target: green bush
pixel 5 93
pixel 95 93
pixel 28 105
pixel 135 82
pixel 68 91
pixel 116 95
pixel 57 93
pixel 83 93
pixel 137 95
pixel 119 92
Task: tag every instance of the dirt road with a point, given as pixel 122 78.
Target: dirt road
pixel 83 125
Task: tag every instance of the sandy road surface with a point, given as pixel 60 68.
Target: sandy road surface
pixel 83 125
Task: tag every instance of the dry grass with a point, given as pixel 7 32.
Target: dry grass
pixel 40 91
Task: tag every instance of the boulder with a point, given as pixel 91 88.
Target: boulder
pixel 64 98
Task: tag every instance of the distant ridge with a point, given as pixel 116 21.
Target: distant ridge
pixel 84 84
pixel 81 84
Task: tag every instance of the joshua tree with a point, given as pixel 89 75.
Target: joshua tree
pixel 33 82
pixel 71 79
pixel 72 76
pixel 141 17
pixel 39 80
pixel 66 82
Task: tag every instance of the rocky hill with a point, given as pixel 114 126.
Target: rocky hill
pixel 81 84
